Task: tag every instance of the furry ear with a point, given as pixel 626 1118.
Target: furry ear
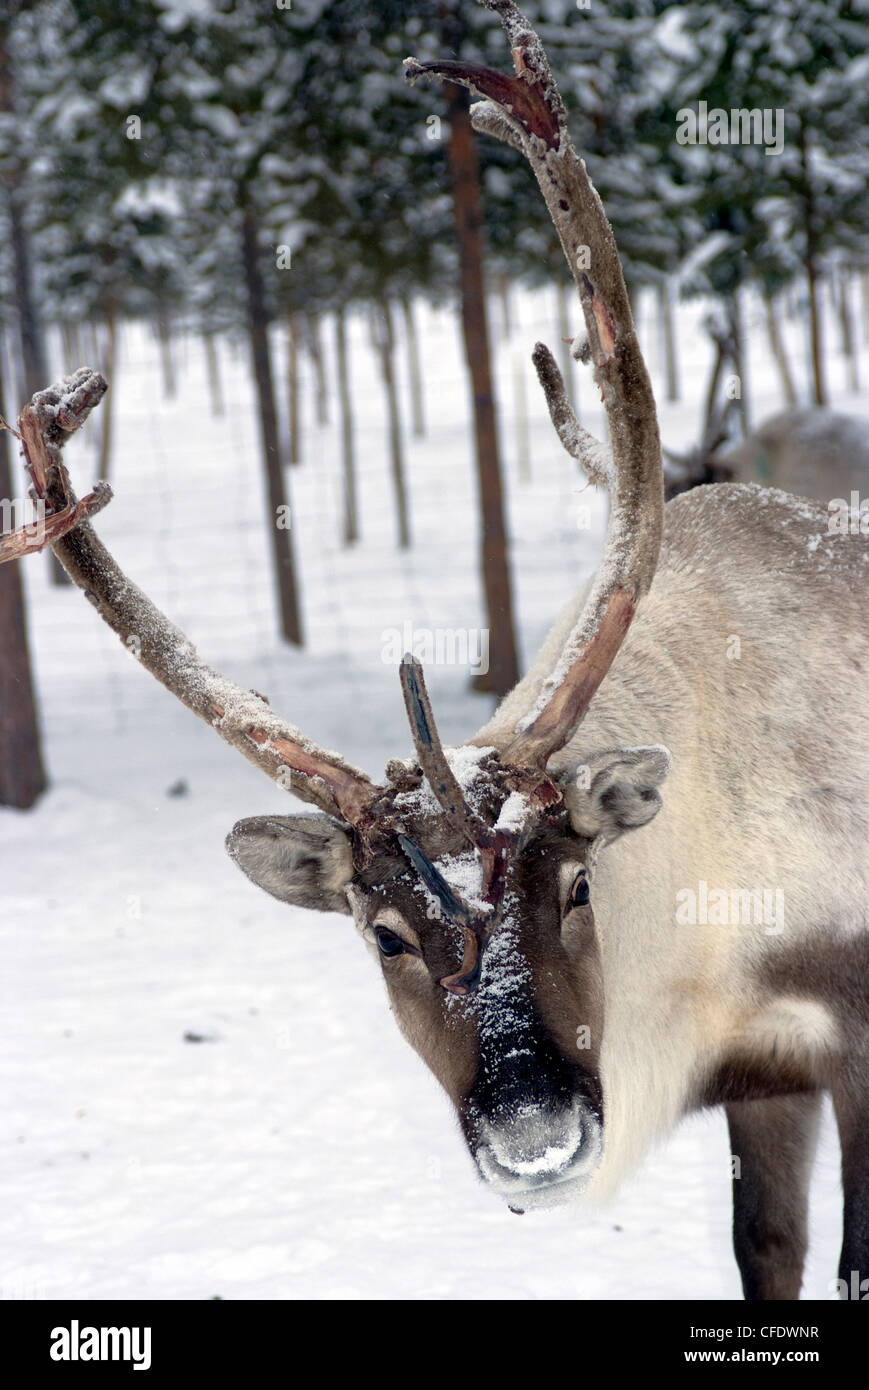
pixel 616 790
pixel 303 860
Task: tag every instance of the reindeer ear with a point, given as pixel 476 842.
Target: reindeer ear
pixel 303 860
pixel 616 790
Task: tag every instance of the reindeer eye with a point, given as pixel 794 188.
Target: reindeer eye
pixel 389 943
pixel 579 894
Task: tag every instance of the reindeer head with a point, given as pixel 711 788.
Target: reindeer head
pixel 468 873
pixel 468 877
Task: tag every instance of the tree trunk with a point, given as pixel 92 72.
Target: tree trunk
pixel 71 340
pixel 520 398
pixel 740 356
pixel 811 265
pixel 563 302
pixel 351 519
pixel 712 388
pixel 279 511
pixel 417 413
pixel 846 324
pixel 668 340
pixel 212 365
pixel 33 354
pixel 167 361
pixel 385 339
pixel 864 304
pixel 315 348
pixel 22 775
pixel 502 285
pixel 465 177
pixel 107 367
pixel 294 424
pixel 818 377
pixel 777 348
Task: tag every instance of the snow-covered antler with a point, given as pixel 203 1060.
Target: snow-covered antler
pixel 243 718
pixel 43 427
pixel 527 112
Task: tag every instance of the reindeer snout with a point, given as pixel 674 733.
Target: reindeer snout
pixel 537 1150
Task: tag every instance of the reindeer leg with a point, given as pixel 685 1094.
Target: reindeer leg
pixel 774 1140
pixel 851 1104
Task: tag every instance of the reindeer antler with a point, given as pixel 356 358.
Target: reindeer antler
pixel 43 428
pixel 241 717
pixel 527 112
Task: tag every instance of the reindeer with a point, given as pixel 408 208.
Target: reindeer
pixel 806 450
pixel 694 734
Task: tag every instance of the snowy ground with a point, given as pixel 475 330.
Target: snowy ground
pixel 298 1149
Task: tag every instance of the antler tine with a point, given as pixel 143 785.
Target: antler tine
pixel 476 926
pixel 527 112
pixel 432 758
pixel 241 717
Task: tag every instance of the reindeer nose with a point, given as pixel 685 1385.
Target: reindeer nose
pixel 540 1154
pixel 536 1145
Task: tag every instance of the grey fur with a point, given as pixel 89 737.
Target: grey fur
pixel 808 451
pixel 622 792
pixel 303 860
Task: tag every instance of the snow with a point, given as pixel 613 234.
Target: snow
pixel 300 1149
pixel 514 812
pixel 463 873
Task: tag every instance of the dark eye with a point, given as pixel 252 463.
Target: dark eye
pixel 389 943
pixel 579 895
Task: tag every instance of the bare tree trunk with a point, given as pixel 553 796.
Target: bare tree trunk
pixel 30 329
pixel 811 264
pixel 563 298
pixel 520 397
pixel 315 348
pixel 93 340
pixel 465 176
pixel 864 303
pixel 721 353
pixel 385 340
pixel 668 340
pixel 294 424
pixel 417 413
pixel 502 286
pixel 279 513
pixel 818 379
pixel 345 399
pixel 212 365
pixel 167 360
pixel 740 356
pixel 846 323
pixel 71 340
pixel 22 775
pixel 520 389
pixel 107 368
pixel 33 354
pixel 777 348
